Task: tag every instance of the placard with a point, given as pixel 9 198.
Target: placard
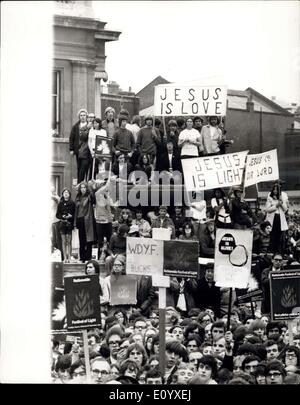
pixel 255 295
pixel 144 256
pixel 186 100
pixel 123 290
pixel 285 294
pixel 181 258
pixel 211 172
pixel 261 167
pixel 233 250
pixel 82 302
pixel 161 233
pixel 103 146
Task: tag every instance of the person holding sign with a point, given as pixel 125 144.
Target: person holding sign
pixel 94 131
pixel 189 141
pixel 220 205
pixel 163 221
pixel 241 214
pixel 277 263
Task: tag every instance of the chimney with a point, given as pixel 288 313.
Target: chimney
pixel 250 104
pixel 113 87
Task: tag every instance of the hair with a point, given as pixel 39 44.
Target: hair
pixel 78 363
pixel 116 311
pixel 98 358
pixel 122 118
pixel 193 311
pixel 154 373
pixel 272 190
pixel 63 363
pixel 174 346
pixel 120 258
pixel 172 122
pixel 195 328
pixel 217 324
pixel 127 363
pixel 175 315
pixel 176 326
pixel 98 120
pixel 264 224
pixel 114 330
pixel 270 342
pixel 275 365
pixel 246 348
pixel 221 191
pixel 195 337
pixel 123 228
pixel 62 199
pixel 211 362
pixel 224 376
pixel 68 347
pixel 290 348
pixel 96 266
pixel 272 325
pixel 79 194
pixel 189 225
pixel 140 160
pixel 248 359
pixel 80 111
pixel 214 116
pixel 139 319
pixel 153 357
pixel 180 122
pixel 139 347
pixel 136 119
pixel 157 122
pixel 197 118
pixel 256 324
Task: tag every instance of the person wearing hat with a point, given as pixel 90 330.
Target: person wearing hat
pixel 109 123
pixel 163 221
pixel 134 231
pixel 212 136
pixel 148 139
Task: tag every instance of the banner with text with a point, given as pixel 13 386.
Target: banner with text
pixel 123 290
pixel 144 256
pixel 261 167
pixel 285 294
pixel 82 302
pixel 233 250
pixel 186 100
pixel 181 258
pixel 205 173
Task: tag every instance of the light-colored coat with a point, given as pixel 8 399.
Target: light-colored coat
pixel 271 208
pixel 211 144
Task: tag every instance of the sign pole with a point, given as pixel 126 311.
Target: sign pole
pixel 252 308
pixel 162 328
pixel 290 326
pixel 93 168
pixel 86 356
pixel 229 309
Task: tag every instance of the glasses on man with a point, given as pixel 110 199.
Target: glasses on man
pixel 274 374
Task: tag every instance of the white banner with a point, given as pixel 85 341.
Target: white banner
pixel 261 167
pixel 144 256
pixel 211 172
pixel 185 100
pixel 233 253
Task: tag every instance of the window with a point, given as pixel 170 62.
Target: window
pixel 56 103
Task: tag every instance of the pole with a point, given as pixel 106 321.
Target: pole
pixel 162 328
pixel 290 326
pixel 260 131
pixel 86 356
pixel 93 168
pixel 252 308
pixel 229 309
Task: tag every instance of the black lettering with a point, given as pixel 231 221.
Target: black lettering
pixel 218 105
pixel 201 181
pixel 207 94
pixel 217 163
pixel 193 97
pixel 220 180
pixel 169 105
pixel 236 159
pixel 165 95
pixel 182 112
pixel 195 110
pixel 217 90
pixel 177 95
pixel 205 108
pixel 207 161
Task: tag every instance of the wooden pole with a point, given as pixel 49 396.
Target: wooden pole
pixel 229 309
pixel 162 328
pixel 290 326
pixel 93 168
pixel 252 308
pixel 86 356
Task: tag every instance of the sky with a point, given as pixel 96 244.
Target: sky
pixel 244 44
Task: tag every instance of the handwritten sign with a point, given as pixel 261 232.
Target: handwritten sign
pixel 211 172
pixel 233 250
pixel 261 167
pixel 285 294
pixel 82 302
pixel 144 256
pixel 183 100
pixel 123 290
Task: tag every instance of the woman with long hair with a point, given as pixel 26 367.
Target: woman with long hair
pixel 65 213
pixel 85 221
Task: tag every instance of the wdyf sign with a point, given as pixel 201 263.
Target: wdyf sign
pixel 285 294
pixel 82 302
pixel 144 256
pixel 211 172
pixel 184 100
pixel 181 258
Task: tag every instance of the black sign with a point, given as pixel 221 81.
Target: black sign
pixel 103 146
pixel 254 295
pixel 181 258
pixel 82 302
pixel 285 294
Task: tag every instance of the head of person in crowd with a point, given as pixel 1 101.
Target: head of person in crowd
pixel 194 328
pixel 129 368
pixel 90 119
pixel 224 376
pixel 136 338
pixel 172 316
pixel 204 319
pixel 82 115
pixel 137 353
pixel 121 316
pixel 266 227
pixel 275 372
pixel 182 375
pixel 154 377
pixel 83 190
pixel 110 113
pixel 62 367
pixel 260 373
pixel 172 124
pixel 92 267
pixel 193 314
pixel 242 378
pixel 198 122
pixel 97 123
pixel 213 120
pixel 100 370
pixel 148 121
pixel 93 338
pixel 189 123
pixel 218 193
pixel 125 343
pixel 154 360
pixel 177 333
pixel 65 195
pixel 207 331
pixel 119 264
pixel 180 123
pixel 207 369
pixel 272 349
pixel 163 211
pixel 258 328
pixel 218 347
pixel 155 345
pixel 125 216
pixel 175 354
pixel 114 371
pixel 157 122
pixel 273 330
pixel 188 230
pixel 193 342
pixel 140 325
pixel 134 231
pixel 246 349
pixel 248 321
pixel 277 261
pixel 141 377
pixel 290 356
pixel 296 340
pixel 136 119
pixel 194 359
pixel 210 312
pixel 250 364
pixel 123 120
pixel 210 226
pixel 78 372
pixel 265 319
pixel 114 338
pixel 206 348
pixel 218 330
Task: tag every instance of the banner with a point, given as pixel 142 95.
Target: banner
pixel 186 100
pixel 261 167
pixel 233 250
pixel 285 294
pixel 211 172
pixel 123 290
pixel 144 256
pixel 181 258
pixel 82 302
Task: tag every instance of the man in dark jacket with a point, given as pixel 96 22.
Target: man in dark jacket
pixel 277 262
pixel 207 239
pixel 207 294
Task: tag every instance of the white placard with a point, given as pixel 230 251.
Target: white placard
pixel 144 256
pixel 211 172
pixel 261 167
pixel 161 233
pixel 161 281
pixel 186 100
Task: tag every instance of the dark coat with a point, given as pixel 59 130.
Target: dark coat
pixel 208 296
pixel 207 244
pixel 74 138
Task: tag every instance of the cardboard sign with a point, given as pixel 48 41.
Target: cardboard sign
pixel 185 100
pixel 82 302
pixel 161 233
pixel 255 295
pixel 123 290
pixel 181 258
pixel 285 294
pixel 233 250
pixel 261 167
pixel 211 172
pixel 161 281
pixel 103 146
pixel 144 256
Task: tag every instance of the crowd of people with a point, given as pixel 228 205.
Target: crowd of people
pixel 203 346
